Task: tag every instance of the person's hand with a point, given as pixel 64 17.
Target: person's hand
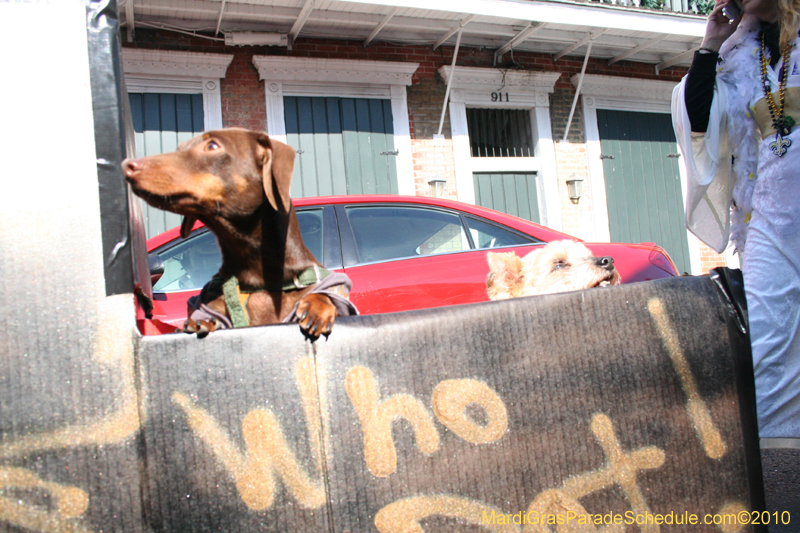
pixel 719 27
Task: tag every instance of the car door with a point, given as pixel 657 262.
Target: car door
pixel 402 257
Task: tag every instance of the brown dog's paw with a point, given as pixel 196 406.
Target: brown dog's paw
pixel 316 314
pixel 202 327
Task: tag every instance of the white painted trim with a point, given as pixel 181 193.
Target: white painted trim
pixel 628 94
pixel 158 71
pixel 529 90
pixel 478 84
pixel 348 72
pixel 212 104
pixel 300 76
pixel 402 141
pixel 275 123
pixel 592 16
pixel 148 84
pixel 462 153
pixel 505 164
pixel 545 151
pixel 175 64
pixel 597 180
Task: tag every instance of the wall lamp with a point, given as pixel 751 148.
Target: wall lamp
pixel 575 188
pixel 437 186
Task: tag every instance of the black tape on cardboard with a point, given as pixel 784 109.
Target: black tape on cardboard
pixel 122 226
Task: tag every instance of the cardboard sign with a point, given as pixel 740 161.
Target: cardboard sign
pixel 601 408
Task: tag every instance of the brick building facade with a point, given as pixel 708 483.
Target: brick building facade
pixel 242 99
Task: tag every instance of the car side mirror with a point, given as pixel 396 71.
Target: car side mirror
pixel 156 267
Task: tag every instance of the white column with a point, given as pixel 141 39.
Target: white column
pixel 402 140
pixel 276 122
pixel 597 180
pixel 544 150
pixel 212 104
pixel 462 155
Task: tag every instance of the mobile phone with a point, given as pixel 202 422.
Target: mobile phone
pixel 732 10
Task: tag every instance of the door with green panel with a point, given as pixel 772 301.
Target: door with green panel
pixel 502 138
pixel 161 122
pixel 513 193
pixel 344 145
pixel 643 186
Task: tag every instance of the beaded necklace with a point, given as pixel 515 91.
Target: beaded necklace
pixel 782 124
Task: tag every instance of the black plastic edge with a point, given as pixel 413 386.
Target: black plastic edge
pixel 731 285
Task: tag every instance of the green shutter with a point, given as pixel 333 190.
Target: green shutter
pixel 161 122
pixel 512 193
pixel 343 145
pixel 643 186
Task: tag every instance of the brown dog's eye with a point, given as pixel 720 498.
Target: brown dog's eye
pixel 212 145
pixel 560 264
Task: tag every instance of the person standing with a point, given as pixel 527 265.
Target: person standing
pixel 735 116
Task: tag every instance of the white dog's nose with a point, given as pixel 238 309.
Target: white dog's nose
pixel 606 262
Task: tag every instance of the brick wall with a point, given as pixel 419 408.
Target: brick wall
pixel 710 259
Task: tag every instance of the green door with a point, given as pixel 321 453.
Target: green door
pixel 512 193
pixel 344 145
pixel 161 122
pixel 643 183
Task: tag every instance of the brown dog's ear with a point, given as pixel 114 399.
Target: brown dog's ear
pixel 277 164
pixel 187 225
pixel 505 275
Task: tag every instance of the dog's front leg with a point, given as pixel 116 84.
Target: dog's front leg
pixel 316 314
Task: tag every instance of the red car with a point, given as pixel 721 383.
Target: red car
pixel 401 253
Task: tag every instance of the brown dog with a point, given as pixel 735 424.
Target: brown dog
pixel 237 182
pixel 560 266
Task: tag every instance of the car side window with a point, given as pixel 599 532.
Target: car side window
pixel 394 232
pixel 487 235
pixel 189 264
pixel 192 263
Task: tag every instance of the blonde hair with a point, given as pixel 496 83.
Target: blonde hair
pixel 789 20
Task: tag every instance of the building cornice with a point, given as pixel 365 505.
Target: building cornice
pixel 175 64
pixel 621 88
pixel 493 79
pixel 346 71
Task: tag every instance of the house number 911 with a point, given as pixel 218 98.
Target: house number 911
pixel 499 97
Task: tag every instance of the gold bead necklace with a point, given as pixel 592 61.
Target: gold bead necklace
pixel 782 124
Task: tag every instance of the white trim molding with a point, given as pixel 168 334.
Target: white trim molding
pixel 629 94
pixel 300 76
pixel 624 94
pixel 506 89
pixel 181 64
pixel 159 71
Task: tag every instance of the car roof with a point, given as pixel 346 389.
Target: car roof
pixel 519 224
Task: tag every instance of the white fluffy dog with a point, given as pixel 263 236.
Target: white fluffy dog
pixel 560 266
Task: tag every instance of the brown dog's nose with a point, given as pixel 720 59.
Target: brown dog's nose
pixel 131 167
pixel 606 262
